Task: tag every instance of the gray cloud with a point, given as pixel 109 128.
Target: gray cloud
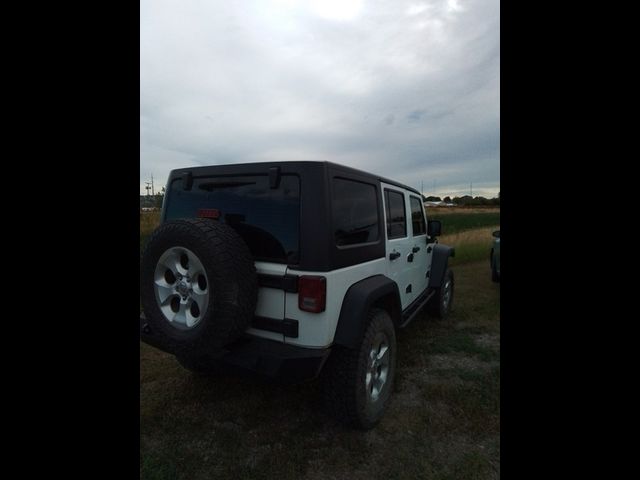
pixel 405 89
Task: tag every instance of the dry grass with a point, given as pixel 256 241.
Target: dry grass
pixel 148 222
pixel 478 235
pixel 471 245
pixel 443 421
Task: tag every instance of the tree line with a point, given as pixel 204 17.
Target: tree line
pixel 465 200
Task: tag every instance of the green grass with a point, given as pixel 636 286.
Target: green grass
pixel 460 222
pixel 443 421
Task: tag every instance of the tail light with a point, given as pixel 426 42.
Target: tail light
pixel 312 293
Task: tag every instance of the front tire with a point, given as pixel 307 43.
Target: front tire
pixel 358 382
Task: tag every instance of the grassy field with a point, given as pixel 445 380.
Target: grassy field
pixel 459 220
pixel 443 421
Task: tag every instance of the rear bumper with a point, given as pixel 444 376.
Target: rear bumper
pixel 259 355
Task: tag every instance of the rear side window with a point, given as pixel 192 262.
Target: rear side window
pixel 267 219
pixel 396 216
pixel 417 217
pixel 354 212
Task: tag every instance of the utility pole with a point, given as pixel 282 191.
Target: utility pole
pixel 147 187
pixel 471 189
pixel 153 193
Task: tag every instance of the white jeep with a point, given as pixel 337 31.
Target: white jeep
pixel 293 270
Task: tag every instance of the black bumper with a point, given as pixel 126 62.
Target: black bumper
pixel 259 355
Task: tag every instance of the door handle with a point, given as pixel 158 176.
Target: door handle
pixel 394 255
pixel 410 257
pixel 415 249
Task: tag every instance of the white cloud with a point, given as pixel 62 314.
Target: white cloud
pixel 408 90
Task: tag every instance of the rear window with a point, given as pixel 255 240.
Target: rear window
pixel 267 219
pixel 396 217
pixel 355 212
pixel 417 217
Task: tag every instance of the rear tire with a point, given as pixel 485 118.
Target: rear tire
pixel 358 382
pixel 440 304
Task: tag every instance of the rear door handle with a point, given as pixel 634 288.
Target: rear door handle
pixel 394 255
pixel 415 249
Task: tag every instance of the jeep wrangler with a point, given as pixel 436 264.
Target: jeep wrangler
pixel 293 270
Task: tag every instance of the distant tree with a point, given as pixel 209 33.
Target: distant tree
pixel 433 199
pixel 447 199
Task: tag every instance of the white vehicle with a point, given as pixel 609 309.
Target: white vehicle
pixel 293 269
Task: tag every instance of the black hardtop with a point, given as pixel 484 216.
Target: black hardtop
pixel 311 166
pixel 317 247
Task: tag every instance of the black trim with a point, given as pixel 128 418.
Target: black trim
pixel 266 357
pixel 276 359
pixel 439 263
pixel 288 283
pixel 416 307
pixel 358 300
pixel 274 177
pixel 287 327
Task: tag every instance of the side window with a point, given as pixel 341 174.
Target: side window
pixel 396 216
pixel 354 212
pixel 417 217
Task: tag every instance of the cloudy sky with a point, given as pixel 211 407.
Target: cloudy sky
pixel 406 89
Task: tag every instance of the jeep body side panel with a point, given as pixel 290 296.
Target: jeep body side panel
pixel 317 330
pixel 440 261
pixel 356 304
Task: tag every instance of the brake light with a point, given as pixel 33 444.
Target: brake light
pixel 312 293
pixel 208 213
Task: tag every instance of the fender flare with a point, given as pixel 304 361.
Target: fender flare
pixel 358 300
pixel 439 264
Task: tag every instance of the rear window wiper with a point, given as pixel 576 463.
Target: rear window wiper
pixel 214 185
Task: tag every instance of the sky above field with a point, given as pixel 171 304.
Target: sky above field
pixel 409 90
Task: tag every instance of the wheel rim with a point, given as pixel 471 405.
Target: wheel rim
pixel 446 296
pixel 378 367
pixel 181 287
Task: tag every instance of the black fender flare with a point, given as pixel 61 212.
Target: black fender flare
pixel 358 300
pixel 439 264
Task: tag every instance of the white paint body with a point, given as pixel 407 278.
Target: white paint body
pixel 317 330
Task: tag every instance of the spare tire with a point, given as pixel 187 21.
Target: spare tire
pixel 198 286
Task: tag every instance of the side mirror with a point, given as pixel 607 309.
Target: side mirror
pixel 496 234
pixel 434 228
